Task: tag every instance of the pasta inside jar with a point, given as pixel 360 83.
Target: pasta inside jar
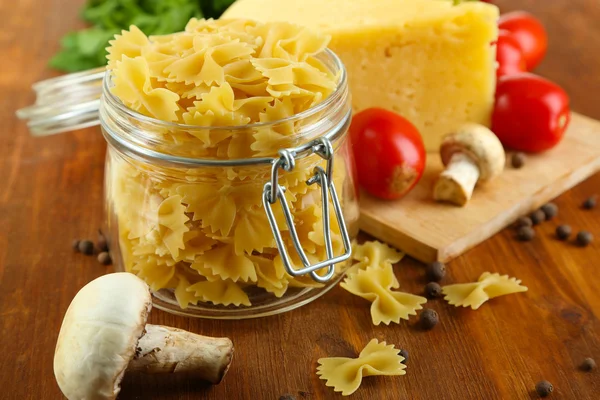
pixel 200 125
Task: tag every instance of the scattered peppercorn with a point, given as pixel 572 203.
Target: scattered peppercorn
pixel 589 364
pixel 75 245
pixel 523 221
pixel 550 210
pixel 433 290
pixel 537 217
pixel 101 244
pixel 518 160
pixel 435 271
pixel 525 233
pixel 429 318
pixel 563 232
pixel 104 258
pixel 584 238
pixel 86 247
pixel 590 203
pixel 287 397
pixel 404 353
pixel 544 388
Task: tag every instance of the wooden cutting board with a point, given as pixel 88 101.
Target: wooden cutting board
pixel 430 231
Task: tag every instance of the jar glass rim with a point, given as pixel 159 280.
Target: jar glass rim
pixel 341 83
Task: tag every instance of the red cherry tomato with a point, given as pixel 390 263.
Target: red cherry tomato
pixel 531 113
pixel 389 153
pixel 509 55
pixel 529 32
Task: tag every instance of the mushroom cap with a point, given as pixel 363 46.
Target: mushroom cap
pixel 99 335
pixel 478 143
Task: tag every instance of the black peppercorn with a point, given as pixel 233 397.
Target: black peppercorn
pixel 550 210
pixel 104 258
pixel 101 244
pixel 75 245
pixel 435 271
pixel 525 234
pixel 589 364
pixel 584 238
pixel 523 221
pixel 518 160
pixel 433 290
pixel 86 247
pixel 563 232
pixel 544 388
pixel 428 318
pixel 590 203
pixel 404 353
pixel 537 217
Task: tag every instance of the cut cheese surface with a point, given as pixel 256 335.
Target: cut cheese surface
pixel 428 60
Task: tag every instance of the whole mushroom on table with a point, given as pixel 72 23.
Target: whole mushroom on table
pixel 472 155
pixel 104 333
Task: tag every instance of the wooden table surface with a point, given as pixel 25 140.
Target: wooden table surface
pixel 51 193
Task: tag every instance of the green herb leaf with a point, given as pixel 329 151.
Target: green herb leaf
pixel 86 49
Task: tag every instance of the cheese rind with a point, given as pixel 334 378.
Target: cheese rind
pixel 430 61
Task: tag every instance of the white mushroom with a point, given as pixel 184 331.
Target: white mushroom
pixel 471 155
pixel 104 332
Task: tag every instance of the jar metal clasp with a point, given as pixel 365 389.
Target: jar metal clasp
pixel 324 178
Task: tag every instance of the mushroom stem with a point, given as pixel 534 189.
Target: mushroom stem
pixel 165 350
pixel 457 182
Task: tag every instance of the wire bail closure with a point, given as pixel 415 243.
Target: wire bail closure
pixel 324 178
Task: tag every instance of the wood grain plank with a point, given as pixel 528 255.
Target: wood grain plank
pixel 51 192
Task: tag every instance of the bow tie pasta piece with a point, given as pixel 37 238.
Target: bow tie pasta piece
pixel 345 374
pixel 210 204
pixel 268 139
pixel 174 44
pixel 231 29
pixel 487 287
pixel 132 85
pixel 172 219
pixel 196 243
pixel 220 25
pixel 221 101
pixel 184 298
pixel 375 253
pixel 223 263
pixel 219 292
pixel 205 64
pixel 270 276
pixel 155 273
pixel 289 42
pixel 307 218
pixel 253 232
pixel 129 43
pixel 292 79
pixel 375 285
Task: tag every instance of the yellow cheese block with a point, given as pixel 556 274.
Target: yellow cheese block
pixel 429 60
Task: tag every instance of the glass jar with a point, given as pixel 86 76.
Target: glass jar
pixel 236 229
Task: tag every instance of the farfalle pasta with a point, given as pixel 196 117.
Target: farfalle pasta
pixel 230 88
pixel 488 286
pixel 345 374
pixel 373 254
pixel 375 284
